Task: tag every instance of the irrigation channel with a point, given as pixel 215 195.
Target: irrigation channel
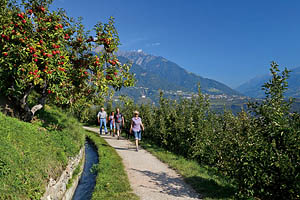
pixel 87 181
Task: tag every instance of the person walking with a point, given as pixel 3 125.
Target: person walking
pixel 136 127
pixel 119 119
pixel 112 123
pixel 102 117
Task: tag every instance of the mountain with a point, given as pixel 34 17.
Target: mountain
pixel 155 72
pixel 253 87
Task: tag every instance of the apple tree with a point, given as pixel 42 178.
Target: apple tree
pixel 46 54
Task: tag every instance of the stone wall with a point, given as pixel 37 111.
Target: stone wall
pixel 57 189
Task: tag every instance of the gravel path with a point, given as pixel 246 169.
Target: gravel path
pixel 149 178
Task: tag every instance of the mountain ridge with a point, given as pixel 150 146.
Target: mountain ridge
pixel 253 86
pixel 171 73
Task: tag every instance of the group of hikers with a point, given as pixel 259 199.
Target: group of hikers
pixel 117 122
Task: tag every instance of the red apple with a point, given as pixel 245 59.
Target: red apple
pixel 42 9
pixel 20 15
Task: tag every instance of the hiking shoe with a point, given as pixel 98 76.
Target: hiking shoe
pixel 137 149
pixel 118 137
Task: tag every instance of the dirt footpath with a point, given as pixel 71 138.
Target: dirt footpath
pixel 150 179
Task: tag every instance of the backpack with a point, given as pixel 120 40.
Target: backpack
pixel 118 117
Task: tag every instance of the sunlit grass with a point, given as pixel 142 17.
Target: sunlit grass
pixel 112 181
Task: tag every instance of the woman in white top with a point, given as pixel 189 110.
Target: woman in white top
pixel 136 127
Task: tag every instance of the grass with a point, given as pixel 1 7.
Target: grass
pixel 112 181
pixel 31 153
pixel 202 179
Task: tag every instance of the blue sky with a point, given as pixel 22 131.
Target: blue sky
pixel 230 41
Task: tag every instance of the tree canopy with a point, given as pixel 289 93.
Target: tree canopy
pixel 48 55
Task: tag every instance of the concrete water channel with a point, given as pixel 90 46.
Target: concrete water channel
pixel 87 181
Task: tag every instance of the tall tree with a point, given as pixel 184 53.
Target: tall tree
pixel 47 55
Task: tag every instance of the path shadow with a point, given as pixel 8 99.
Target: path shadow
pixel 129 148
pixel 108 137
pixel 170 185
pixel 120 148
pixel 210 188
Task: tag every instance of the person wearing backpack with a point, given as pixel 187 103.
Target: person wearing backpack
pixel 119 120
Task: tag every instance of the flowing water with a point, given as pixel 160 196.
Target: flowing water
pixel 87 181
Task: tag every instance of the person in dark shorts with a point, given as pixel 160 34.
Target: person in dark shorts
pixel 136 127
pixel 119 120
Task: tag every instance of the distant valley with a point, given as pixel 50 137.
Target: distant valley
pixel 155 74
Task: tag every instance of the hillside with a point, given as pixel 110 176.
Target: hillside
pixel 155 72
pixel 252 87
pixel 31 153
